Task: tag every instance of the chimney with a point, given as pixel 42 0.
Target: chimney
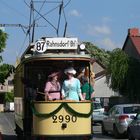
pixel 133 32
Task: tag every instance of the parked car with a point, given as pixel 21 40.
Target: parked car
pixel 118 119
pixel 9 106
pixel 98 112
pixel 134 128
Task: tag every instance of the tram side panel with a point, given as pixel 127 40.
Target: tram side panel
pixel 23 113
pixel 18 99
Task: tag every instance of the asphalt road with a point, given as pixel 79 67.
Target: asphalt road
pixel 7 126
pixel 7 129
pixel 98 135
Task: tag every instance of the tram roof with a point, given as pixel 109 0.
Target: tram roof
pixel 54 54
pixel 58 56
pixel 46 57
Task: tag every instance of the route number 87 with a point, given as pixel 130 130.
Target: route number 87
pixel 40 46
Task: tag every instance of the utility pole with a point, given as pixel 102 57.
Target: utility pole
pixel 30 29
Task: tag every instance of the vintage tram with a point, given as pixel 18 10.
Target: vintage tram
pixel 50 120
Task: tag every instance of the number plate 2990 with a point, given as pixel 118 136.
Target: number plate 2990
pixel 66 118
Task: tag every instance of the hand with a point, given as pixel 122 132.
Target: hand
pixel 82 99
pixel 49 97
pixel 62 97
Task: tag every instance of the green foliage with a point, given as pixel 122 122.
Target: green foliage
pixel 117 69
pixel 5 71
pixel 99 54
pixel 9 97
pixel 124 74
pixel 3 38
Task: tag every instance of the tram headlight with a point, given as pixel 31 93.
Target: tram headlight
pixel 82 46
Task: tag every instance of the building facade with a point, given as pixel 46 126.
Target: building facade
pixel 132 43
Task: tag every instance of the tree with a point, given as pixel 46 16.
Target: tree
pixel 99 54
pixel 117 70
pixel 123 74
pixel 3 38
pixel 5 71
pixel 9 97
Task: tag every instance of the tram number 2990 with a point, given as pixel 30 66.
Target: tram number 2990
pixel 66 118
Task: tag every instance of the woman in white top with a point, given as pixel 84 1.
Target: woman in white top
pixel 71 86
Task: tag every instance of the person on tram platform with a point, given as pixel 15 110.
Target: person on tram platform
pixel 84 72
pixel 71 86
pixel 87 89
pixel 81 73
pixel 30 88
pixel 52 87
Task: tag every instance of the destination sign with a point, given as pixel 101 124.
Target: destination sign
pixel 61 43
pixel 56 43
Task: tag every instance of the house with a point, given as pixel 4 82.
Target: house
pixel 8 84
pixel 132 43
pixel 102 90
pixel 4 88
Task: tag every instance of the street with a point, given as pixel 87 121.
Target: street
pixel 7 128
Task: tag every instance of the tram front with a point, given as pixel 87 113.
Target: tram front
pixel 59 119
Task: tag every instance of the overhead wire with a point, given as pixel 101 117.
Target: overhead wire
pixel 61 7
pixel 17 25
pixel 47 1
pixel 41 16
pixel 46 19
pixel 66 23
pixel 41 8
pixel 49 11
pixel 22 46
pixel 13 9
pixel 67 4
pixel 60 11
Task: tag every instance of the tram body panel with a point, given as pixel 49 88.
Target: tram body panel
pixel 19 113
pixel 19 87
pixel 19 95
pixel 82 125
pixel 43 126
pixel 63 122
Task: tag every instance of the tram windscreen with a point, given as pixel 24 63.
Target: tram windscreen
pixel 37 72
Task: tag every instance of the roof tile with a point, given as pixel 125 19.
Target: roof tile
pixel 136 42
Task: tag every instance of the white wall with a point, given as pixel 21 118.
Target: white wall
pixel 101 88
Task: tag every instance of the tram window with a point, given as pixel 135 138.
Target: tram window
pixel 1 87
pixel 10 82
pixel 38 71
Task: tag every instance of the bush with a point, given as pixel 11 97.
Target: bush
pixel 9 97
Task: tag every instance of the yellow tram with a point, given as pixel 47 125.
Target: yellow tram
pixel 59 119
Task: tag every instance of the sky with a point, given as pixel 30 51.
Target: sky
pixel 104 23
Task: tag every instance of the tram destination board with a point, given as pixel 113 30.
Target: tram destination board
pixel 56 43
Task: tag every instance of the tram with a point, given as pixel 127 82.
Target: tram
pixel 50 120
